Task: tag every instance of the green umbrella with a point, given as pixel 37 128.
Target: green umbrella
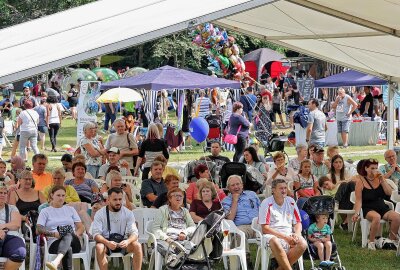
pixel 132 72
pixel 106 74
pixel 79 73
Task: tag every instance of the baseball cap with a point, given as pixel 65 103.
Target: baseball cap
pixel 113 150
pixel 318 149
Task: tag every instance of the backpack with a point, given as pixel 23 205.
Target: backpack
pixel 301 117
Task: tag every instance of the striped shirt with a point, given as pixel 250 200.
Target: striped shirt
pixel 279 217
pixel 203 106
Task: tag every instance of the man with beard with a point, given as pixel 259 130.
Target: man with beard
pixel 114 230
pixel 280 223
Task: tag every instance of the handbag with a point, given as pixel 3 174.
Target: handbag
pixel 232 138
pixel 64 230
pixel 116 237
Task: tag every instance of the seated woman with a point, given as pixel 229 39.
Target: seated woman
pixel 78 158
pixel 172 182
pixel 58 180
pixel 114 179
pixel 192 192
pixel 301 151
pixel 85 187
pixel 199 209
pixel 26 198
pixel 174 222
pixel 12 246
pixel 251 158
pixel 280 171
pixel 337 174
pixel 126 188
pixel 305 182
pixel 62 226
pixel 370 192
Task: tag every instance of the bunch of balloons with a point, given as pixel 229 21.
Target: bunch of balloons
pixel 223 52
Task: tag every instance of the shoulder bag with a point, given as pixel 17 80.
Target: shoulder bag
pixel 116 237
pixel 232 138
pixel 38 137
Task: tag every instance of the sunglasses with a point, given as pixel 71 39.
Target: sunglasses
pixel 251 203
pixel 372 160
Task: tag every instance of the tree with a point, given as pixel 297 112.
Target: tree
pixel 19 11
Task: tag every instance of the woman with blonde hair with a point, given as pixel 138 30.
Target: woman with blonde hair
pixel 58 180
pixel 151 147
pixel 199 209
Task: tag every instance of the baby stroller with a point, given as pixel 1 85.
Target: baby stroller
pixel 314 206
pixel 249 182
pixel 215 134
pixel 204 247
pixel 189 169
pixel 275 143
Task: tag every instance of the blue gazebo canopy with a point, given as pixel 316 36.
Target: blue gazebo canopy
pixel 349 78
pixel 168 77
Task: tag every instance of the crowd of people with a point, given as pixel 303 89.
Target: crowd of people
pixel 71 202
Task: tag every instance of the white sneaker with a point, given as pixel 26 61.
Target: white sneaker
pixel 371 246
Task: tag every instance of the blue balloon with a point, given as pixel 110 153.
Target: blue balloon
pixel 305 219
pixel 199 129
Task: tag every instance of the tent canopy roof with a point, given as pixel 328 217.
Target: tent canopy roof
pixel 261 57
pixel 168 77
pixel 349 78
pixel 362 35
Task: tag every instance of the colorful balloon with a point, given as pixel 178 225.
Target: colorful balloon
pixel 199 129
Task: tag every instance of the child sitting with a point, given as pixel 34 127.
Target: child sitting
pixel 327 186
pixel 319 234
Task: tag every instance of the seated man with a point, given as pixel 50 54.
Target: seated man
pixel 318 167
pixel 391 170
pixel 113 157
pixel 242 206
pixel 153 187
pixel 122 227
pixel 215 154
pixel 280 221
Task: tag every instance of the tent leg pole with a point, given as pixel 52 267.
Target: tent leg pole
pixel 391 137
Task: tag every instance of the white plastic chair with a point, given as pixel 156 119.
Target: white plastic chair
pixel 240 250
pixel 365 224
pixel 266 252
pixel 32 248
pixel 126 258
pixel 156 259
pixel 131 179
pixel 395 197
pixel 84 254
pixel 137 199
pixel 392 184
pixel 349 214
pixel 142 216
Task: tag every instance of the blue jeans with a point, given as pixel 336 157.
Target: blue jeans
pixel 93 170
pixel 108 117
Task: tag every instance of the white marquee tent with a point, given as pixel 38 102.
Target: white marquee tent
pixel 361 34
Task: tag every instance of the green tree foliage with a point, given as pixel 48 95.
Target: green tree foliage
pixel 19 11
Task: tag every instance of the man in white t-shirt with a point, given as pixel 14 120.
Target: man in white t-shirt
pixel 280 222
pixel 115 219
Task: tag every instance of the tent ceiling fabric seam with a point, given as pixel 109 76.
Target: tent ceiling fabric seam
pixel 346 17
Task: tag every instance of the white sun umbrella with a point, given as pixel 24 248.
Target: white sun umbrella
pixel 120 95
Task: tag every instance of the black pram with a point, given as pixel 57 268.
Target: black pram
pixel 201 250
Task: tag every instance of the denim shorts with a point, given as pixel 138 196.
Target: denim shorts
pixel 42 129
pixel 343 126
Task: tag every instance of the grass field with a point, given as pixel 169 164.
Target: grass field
pixel 352 256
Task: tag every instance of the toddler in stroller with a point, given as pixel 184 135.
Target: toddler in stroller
pixel 321 244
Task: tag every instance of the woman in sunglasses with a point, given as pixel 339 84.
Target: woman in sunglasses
pixel 370 192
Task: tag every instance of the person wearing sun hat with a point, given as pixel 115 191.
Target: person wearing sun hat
pixel 12 246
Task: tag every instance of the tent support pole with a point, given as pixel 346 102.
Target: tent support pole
pixel 391 117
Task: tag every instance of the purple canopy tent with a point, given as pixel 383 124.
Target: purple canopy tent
pixel 348 78
pixel 168 77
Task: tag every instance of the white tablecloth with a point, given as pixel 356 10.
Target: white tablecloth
pixel 361 133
